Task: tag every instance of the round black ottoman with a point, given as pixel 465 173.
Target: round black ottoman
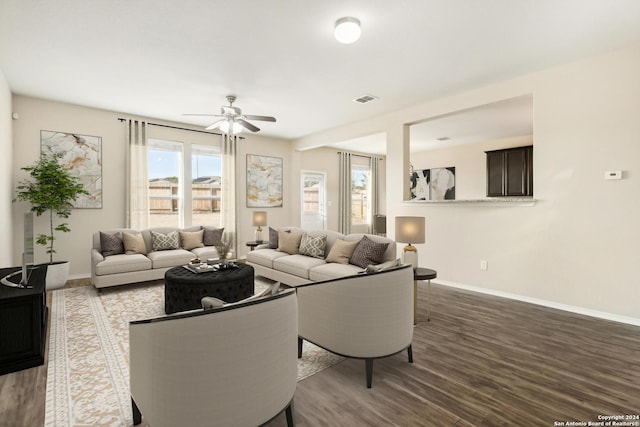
pixel 183 289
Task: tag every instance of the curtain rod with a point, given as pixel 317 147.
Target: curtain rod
pixel 179 128
pixel 358 155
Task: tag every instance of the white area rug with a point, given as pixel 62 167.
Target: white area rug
pixel 88 368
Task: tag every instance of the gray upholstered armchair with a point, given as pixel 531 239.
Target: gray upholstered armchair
pixel 229 366
pixel 367 316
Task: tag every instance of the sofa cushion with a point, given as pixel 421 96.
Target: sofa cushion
pixel 265 257
pixel 313 245
pixel 164 242
pixel 341 251
pixel 332 270
pixel 191 239
pixel 169 258
pixel 298 265
pixel 368 252
pixel 205 252
pixel 289 242
pixel 213 236
pixel 122 263
pixel 111 244
pixel 133 243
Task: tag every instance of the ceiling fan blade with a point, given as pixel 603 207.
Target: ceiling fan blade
pixel 261 118
pixel 215 124
pixel 248 125
pixel 208 115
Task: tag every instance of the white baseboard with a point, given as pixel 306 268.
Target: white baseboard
pixel 79 276
pixel 565 307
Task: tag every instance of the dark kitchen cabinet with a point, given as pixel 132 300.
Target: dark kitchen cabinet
pixel 510 172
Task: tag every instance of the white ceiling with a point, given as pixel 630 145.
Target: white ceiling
pixel 164 58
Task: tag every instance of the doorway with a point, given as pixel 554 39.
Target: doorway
pixel 313 210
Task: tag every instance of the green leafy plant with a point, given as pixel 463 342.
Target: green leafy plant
pixel 52 189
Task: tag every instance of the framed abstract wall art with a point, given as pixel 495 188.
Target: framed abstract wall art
pixel 264 181
pixel 433 184
pixel 82 157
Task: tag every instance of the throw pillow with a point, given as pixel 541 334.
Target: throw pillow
pixel 213 236
pixel 163 242
pixel 111 244
pixel 273 238
pixel 289 242
pixel 133 243
pixel 312 246
pixel 341 251
pixel 191 239
pixel 368 252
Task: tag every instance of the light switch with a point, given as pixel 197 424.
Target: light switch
pixel 613 175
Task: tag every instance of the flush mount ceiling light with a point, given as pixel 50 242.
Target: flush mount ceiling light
pixel 347 30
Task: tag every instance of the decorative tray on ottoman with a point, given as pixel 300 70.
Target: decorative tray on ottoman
pixel 201 268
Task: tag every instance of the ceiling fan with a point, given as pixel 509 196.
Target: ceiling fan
pixel 232 120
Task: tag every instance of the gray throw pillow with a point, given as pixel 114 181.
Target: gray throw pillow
pixel 313 246
pixel 273 238
pixel 111 244
pixel 164 242
pixel 213 236
pixel 368 252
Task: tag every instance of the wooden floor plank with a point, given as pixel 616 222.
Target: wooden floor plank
pixel 480 361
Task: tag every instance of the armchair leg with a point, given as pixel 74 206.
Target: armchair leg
pixel 137 416
pixel 300 341
pixel 410 353
pixel 291 422
pixel 368 364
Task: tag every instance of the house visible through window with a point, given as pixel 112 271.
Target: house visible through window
pixel 171 165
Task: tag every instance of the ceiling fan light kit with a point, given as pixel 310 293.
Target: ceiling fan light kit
pixel 232 120
pixel 347 30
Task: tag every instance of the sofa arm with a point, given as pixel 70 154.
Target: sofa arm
pixel 96 256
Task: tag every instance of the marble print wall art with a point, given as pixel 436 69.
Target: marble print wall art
pixel 82 156
pixel 264 181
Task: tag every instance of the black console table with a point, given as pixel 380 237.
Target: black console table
pixel 23 321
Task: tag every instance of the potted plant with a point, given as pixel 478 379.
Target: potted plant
pixel 51 189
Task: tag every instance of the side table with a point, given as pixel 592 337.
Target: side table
pixel 422 274
pixel 252 244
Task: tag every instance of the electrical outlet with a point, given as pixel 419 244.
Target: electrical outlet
pixel 484 265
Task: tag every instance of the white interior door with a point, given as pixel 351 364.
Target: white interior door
pixel 313 210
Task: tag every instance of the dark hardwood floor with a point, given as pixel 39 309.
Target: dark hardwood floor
pixel 481 361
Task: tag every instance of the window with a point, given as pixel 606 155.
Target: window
pixel 360 194
pixel 171 202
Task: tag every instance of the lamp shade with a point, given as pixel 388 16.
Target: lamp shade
pixel 410 229
pixel 259 218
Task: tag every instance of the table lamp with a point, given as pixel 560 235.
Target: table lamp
pixel 410 229
pixel 259 219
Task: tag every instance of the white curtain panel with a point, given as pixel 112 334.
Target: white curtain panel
pixel 344 203
pixel 374 166
pixel 137 175
pixel 229 202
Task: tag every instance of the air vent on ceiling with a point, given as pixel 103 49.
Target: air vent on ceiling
pixel 444 138
pixel 365 98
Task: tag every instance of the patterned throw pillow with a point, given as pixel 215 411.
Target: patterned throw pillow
pixel 368 252
pixel 213 236
pixel 111 244
pixel 191 239
pixel 163 242
pixel 313 246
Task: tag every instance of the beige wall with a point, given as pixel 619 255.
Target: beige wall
pixel 469 161
pixel 6 184
pixel 38 114
pixel 578 246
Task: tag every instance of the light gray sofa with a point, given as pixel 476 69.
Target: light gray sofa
pixel 295 270
pixel 121 269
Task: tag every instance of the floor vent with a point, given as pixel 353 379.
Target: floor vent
pixel 365 98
